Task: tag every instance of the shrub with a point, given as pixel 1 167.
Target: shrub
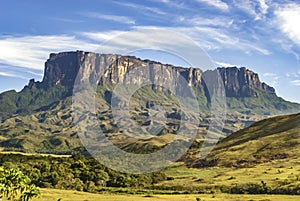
pixel 16 186
pixel 251 189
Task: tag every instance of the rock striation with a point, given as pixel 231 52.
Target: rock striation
pixel 62 69
pixel 241 82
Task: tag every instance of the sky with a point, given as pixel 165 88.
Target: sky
pixel 262 35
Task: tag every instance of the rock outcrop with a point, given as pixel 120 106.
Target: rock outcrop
pixel 241 82
pixel 62 69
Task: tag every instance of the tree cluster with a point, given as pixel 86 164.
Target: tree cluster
pixel 75 173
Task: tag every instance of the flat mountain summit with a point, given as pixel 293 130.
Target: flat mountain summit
pixel 43 108
pixel 62 69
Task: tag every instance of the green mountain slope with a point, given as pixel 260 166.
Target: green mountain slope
pixel 267 140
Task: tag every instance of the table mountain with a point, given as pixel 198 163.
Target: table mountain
pixel 43 108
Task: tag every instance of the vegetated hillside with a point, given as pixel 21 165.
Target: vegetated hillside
pixel 75 173
pixel 39 118
pixel 276 138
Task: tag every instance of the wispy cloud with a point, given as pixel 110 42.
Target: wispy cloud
pixel 271 78
pixel 263 6
pixel 155 38
pixel 67 20
pixel 115 18
pixel 141 7
pixel 220 39
pixel 202 21
pixel 174 4
pixel 18 72
pixel 216 39
pixel 287 19
pixel 295 82
pixel 270 75
pixel 293 74
pixel 6 74
pixel 225 64
pixel 32 51
pixel 215 3
pixel 15 70
pixel 255 8
pixel 101 36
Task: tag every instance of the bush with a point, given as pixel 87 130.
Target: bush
pixel 16 186
pixel 251 189
pixel 90 187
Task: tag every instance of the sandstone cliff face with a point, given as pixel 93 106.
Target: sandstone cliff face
pixel 105 69
pixel 62 69
pixel 130 70
pixel 240 82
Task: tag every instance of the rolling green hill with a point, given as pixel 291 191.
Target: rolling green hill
pixel 276 138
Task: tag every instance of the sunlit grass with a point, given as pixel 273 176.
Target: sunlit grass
pixel 54 195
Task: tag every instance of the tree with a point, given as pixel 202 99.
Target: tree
pixel 16 186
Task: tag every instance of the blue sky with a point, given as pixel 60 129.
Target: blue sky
pixel 262 35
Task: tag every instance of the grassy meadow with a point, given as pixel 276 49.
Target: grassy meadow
pixel 276 174
pixel 64 195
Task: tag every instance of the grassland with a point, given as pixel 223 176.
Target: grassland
pixel 277 174
pixel 274 138
pixel 265 141
pixel 267 151
pixel 191 180
pixel 54 195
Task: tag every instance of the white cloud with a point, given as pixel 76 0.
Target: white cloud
pixel 295 74
pixel 295 82
pixel 225 64
pixel 173 4
pixel 102 36
pixel 115 18
pixel 217 39
pixel 201 21
pixel 270 75
pixel 208 38
pixel 32 51
pixel 287 20
pixel 7 74
pixel 156 38
pixel 263 6
pixel 141 7
pixel 216 3
pixel 256 8
pixel 271 78
pixel 67 20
